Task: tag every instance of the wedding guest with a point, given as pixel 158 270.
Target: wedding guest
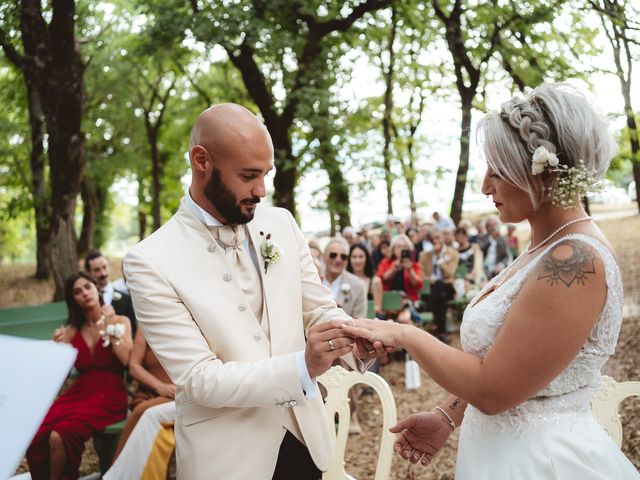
pixel 98 397
pixel 383 251
pixel 154 386
pixel 443 270
pixel 348 290
pixel 523 394
pixel 401 274
pixel 495 248
pixel 147 453
pixel 113 295
pixel 512 241
pixel 361 266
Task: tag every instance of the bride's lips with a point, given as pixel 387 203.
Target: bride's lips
pixel 497 204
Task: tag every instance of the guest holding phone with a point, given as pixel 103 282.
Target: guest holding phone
pixel 401 273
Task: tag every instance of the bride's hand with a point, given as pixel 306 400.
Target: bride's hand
pixel 422 435
pixel 377 332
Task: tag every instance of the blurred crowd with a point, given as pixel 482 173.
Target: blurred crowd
pixel 430 263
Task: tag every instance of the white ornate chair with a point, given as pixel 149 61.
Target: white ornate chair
pixel 338 381
pixel 605 404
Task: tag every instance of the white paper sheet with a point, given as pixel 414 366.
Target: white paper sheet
pixel 31 374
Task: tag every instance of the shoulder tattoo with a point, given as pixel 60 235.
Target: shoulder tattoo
pixel 568 263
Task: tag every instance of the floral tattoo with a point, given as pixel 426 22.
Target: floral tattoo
pixel 568 268
pixel 455 403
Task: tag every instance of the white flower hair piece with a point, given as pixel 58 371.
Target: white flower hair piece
pixel 542 158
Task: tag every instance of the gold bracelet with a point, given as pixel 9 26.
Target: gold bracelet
pixel 452 424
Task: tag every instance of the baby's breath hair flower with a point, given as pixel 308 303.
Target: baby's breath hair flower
pixel 573 183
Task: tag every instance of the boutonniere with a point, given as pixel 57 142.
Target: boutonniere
pixel 345 288
pixel 269 250
pixel 116 296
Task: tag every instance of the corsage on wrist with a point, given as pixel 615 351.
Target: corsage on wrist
pixel 115 330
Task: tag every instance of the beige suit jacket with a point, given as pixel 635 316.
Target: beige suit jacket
pixel 352 299
pixel 233 383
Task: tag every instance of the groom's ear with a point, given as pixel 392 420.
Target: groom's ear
pixel 199 158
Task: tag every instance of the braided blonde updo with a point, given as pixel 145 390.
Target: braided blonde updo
pixel 555 116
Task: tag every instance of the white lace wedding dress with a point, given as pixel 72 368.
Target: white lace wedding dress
pixel 553 434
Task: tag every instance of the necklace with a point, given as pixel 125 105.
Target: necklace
pixel 555 232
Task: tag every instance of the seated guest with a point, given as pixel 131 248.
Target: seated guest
pixel 399 271
pixel 512 240
pixel 494 248
pixel 154 386
pixel 98 397
pixel 348 290
pixel 444 266
pixel 465 250
pixel 147 453
pixel 113 296
pixel 316 254
pixel 382 251
pixel 361 266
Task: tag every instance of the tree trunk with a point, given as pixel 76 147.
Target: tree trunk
pixel 142 216
pixel 63 245
pixel 338 198
pixel 386 118
pixel 633 137
pixel 156 179
pixel 463 166
pixel 54 65
pixel 286 177
pixel 89 216
pixel 39 184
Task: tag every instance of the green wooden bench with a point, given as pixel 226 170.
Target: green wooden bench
pixel 35 321
pixel 38 322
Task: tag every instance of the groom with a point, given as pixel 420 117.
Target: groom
pixel 226 292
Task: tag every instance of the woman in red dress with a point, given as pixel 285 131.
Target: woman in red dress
pixel 98 397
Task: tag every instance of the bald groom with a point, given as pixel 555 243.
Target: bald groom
pixel 229 299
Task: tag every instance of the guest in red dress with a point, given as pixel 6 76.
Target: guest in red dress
pixel 98 397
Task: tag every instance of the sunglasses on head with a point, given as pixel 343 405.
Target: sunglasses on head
pixel 343 256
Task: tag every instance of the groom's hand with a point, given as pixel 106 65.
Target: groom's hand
pixel 326 343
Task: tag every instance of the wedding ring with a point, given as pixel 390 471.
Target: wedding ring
pixel 332 347
pixel 371 351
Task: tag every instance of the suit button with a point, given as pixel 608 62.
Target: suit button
pixel 292 403
pixel 226 277
pixel 242 307
pixel 212 247
pixel 257 336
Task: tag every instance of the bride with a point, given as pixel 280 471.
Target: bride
pixel 536 337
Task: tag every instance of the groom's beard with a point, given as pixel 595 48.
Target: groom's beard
pixel 226 202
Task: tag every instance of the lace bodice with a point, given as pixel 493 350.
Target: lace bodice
pixel 572 389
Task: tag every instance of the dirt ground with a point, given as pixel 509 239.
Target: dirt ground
pixel 17 288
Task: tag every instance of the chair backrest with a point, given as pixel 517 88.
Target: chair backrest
pixel 371 309
pixel 391 301
pixel 338 381
pixel 605 404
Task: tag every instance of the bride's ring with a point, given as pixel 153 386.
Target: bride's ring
pixel 332 347
pixel 371 351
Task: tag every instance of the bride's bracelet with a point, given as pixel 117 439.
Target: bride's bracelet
pixel 452 424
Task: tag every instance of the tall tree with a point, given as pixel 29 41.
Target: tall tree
pixel 621 24
pixel 37 158
pixel 53 65
pixel 276 46
pixel 473 34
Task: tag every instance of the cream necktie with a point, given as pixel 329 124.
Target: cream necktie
pixel 243 268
